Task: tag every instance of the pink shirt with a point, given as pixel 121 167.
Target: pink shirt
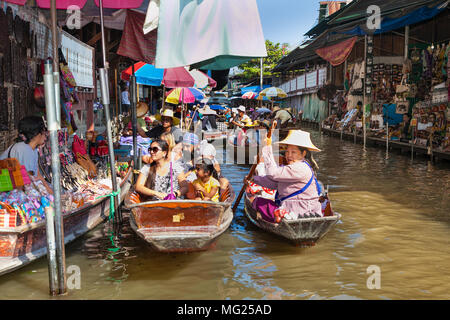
pixel 287 180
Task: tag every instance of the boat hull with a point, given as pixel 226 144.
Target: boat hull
pixel 181 225
pixel 301 232
pixel 22 245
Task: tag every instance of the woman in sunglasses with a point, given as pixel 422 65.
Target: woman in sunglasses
pixel 154 180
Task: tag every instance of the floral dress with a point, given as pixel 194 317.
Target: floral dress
pixel 162 183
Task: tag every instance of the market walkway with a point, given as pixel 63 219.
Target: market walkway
pixel 395 216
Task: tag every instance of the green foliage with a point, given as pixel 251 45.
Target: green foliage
pixel 252 68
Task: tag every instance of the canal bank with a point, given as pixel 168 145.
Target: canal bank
pixel 407 149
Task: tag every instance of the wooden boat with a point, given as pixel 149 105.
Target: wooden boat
pixel 302 232
pixel 180 225
pixel 23 244
pixel 214 135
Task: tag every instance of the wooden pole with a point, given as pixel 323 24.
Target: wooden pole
pixel 115 86
pixel 252 171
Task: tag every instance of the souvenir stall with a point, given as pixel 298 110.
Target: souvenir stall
pixel 24 197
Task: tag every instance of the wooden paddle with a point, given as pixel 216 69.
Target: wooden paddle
pixel 252 171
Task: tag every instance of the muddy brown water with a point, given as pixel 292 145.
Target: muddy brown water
pixel 395 216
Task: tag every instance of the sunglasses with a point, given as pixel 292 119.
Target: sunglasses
pixel 163 119
pixel 154 149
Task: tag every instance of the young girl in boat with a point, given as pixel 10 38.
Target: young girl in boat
pixel 155 179
pixel 297 187
pixel 207 184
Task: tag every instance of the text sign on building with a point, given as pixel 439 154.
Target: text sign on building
pixel 79 57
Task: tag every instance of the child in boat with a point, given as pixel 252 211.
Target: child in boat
pixel 206 185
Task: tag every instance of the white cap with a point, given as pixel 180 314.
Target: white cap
pixel 241 108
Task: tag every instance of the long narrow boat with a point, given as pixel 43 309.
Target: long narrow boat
pixel 23 244
pixel 180 225
pixel 303 232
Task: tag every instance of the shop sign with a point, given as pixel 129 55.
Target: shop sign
pixel 79 57
pixel 301 82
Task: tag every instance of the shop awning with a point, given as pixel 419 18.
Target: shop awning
pixel 338 53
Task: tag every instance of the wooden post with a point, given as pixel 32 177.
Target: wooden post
pixel 115 91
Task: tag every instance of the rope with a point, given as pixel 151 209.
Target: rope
pixel 112 209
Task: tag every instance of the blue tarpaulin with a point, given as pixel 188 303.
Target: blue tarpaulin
pixel 390 115
pixel 389 24
pixel 254 89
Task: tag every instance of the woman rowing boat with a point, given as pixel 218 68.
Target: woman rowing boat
pixel 297 187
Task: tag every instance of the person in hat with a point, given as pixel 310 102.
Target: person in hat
pixel 208 116
pixel 283 116
pixel 298 190
pixel 168 123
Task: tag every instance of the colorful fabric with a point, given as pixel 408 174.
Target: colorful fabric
pixel 211 183
pixel 338 53
pixel 184 95
pixel 134 44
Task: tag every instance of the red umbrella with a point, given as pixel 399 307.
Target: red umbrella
pixel 177 78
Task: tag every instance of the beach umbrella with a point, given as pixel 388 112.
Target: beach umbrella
pixel 249 95
pixel 259 97
pixel 145 74
pixel 273 92
pixel 263 110
pixel 184 95
pixel 177 78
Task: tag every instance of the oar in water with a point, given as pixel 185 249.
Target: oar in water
pixel 252 171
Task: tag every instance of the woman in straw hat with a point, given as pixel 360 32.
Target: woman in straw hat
pixel 297 187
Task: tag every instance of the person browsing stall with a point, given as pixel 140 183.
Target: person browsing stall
pixel 242 119
pixel 297 187
pixel 32 134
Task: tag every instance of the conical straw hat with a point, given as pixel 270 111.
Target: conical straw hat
pixel 299 138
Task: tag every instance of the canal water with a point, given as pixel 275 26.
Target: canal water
pixel 395 220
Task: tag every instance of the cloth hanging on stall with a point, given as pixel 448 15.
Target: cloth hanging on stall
pixel 338 53
pixel 134 44
pixel 208 34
